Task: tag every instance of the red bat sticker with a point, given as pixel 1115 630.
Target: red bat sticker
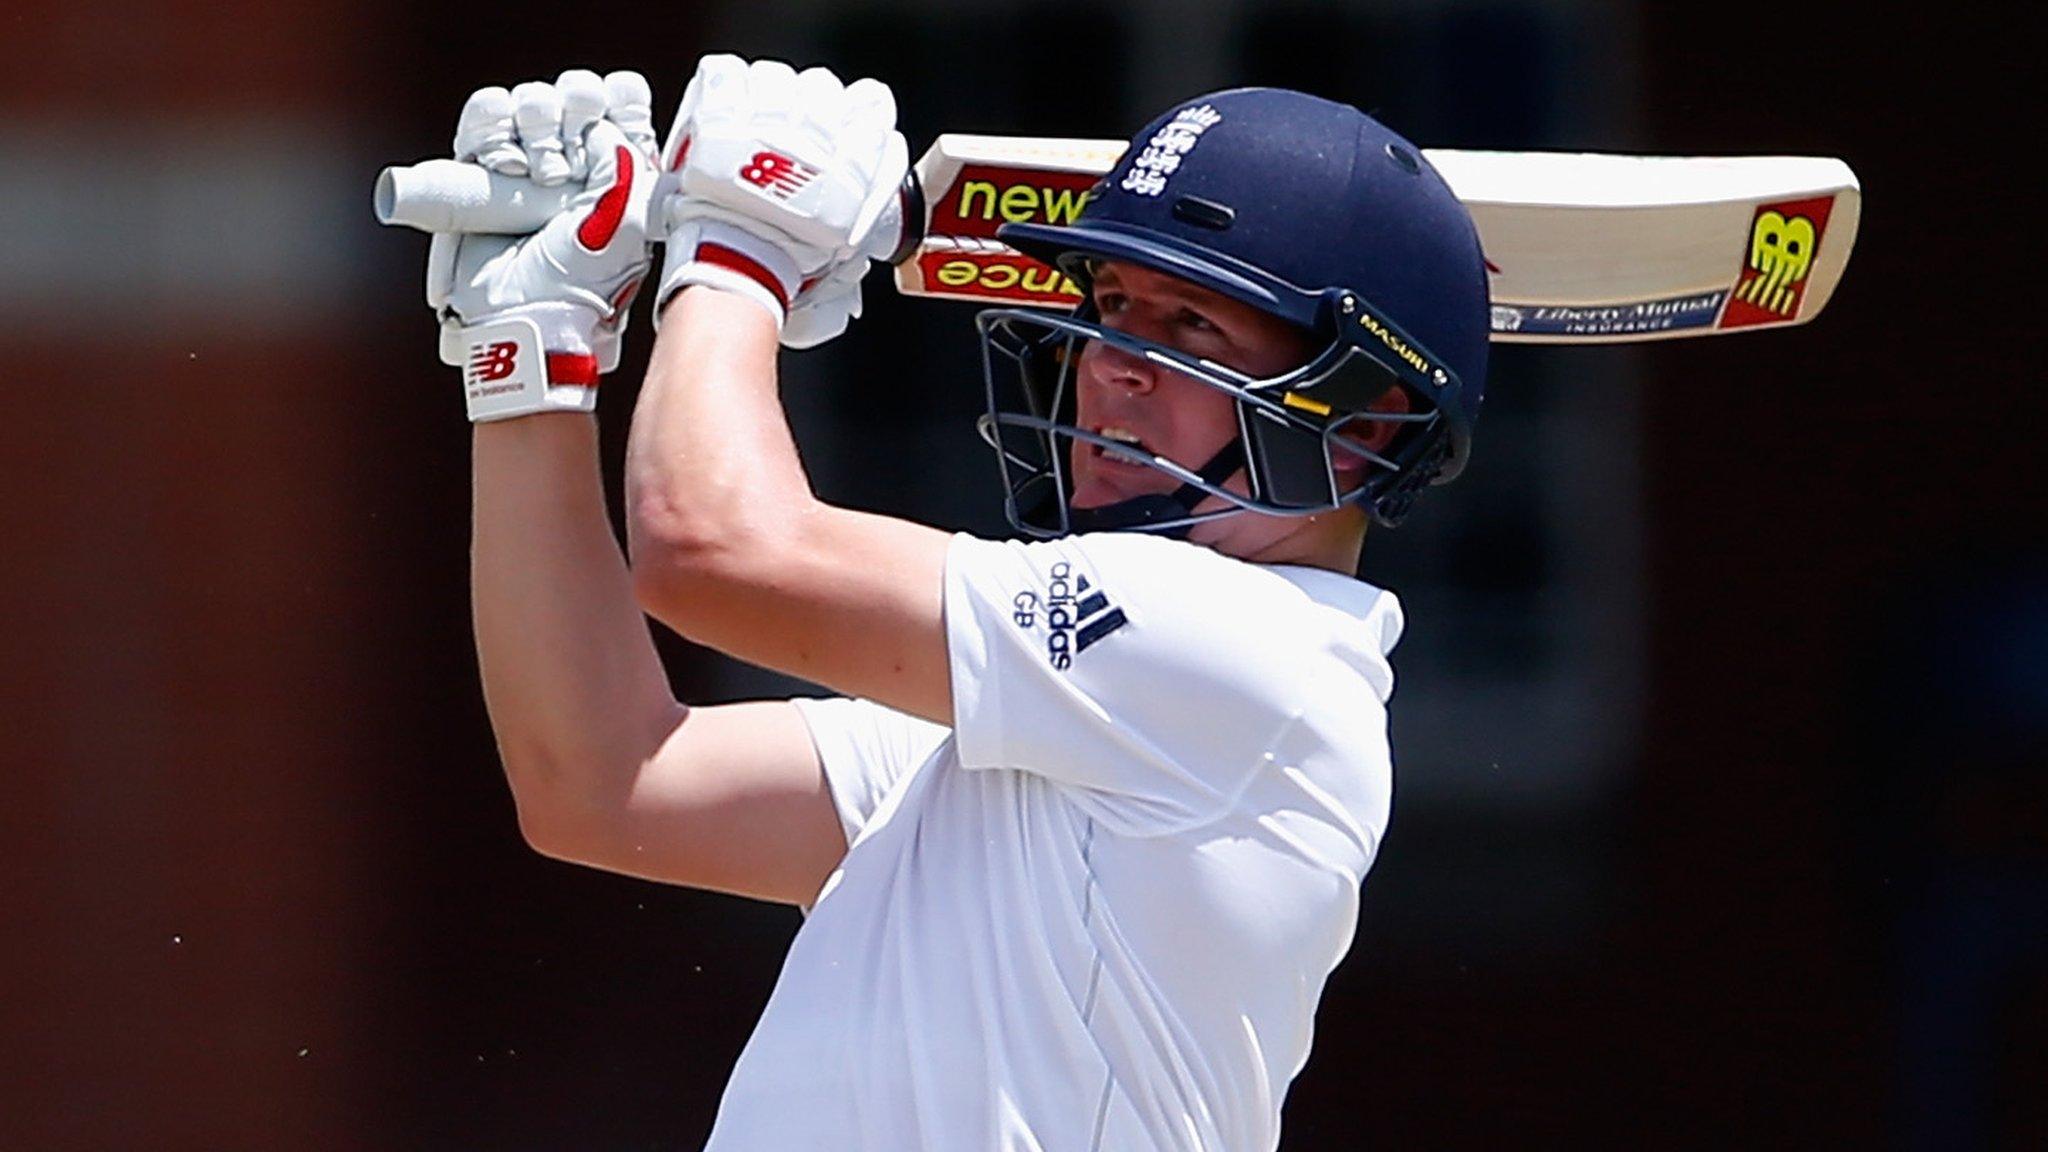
pixel 1783 240
pixel 984 197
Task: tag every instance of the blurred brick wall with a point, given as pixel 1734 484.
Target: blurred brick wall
pixel 185 780
pixel 150 58
pixel 1801 481
pixel 187 563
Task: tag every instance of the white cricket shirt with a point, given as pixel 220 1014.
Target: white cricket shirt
pixel 1096 915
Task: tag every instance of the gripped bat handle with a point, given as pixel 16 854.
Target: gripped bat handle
pixel 454 196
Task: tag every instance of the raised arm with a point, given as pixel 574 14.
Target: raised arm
pixel 729 545
pixel 577 696
pixel 606 767
pixel 732 550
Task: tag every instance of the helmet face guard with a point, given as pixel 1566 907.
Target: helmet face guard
pixel 1311 212
pixel 1293 430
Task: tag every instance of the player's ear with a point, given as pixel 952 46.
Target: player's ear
pixel 1373 435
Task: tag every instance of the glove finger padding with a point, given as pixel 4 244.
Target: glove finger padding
pixel 820 105
pixel 823 310
pixel 485 132
pixel 777 149
pixel 784 181
pixel 871 106
pixel 537 112
pixel 720 78
pixel 584 102
pixel 871 117
pixel 535 320
pixel 768 94
pixel 630 105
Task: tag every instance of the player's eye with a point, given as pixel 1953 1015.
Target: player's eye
pixel 1109 303
pixel 1197 321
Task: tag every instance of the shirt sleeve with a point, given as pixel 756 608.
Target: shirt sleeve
pixel 1149 677
pixel 866 750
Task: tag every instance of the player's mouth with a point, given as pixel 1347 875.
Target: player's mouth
pixel 1104 475
pixel 1121 435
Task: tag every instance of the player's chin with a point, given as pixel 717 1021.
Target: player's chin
pixel 1096 486
pixel 1092 492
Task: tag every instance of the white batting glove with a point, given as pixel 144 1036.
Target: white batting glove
pixel 533 321
pixel 781 178
pixel 824 308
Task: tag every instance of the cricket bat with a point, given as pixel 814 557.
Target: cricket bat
pixel 1581 248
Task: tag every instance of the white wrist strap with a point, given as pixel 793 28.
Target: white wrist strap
pixel 720 255
pixel 506 372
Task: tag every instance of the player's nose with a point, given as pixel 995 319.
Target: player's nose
pixel 1107 364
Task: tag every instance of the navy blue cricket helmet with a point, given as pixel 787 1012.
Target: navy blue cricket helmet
pixel 1306 209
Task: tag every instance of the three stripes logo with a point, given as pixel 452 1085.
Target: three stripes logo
pixel 777 175
pixel 1077 614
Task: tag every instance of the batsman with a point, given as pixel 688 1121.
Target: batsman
pixel 1080 834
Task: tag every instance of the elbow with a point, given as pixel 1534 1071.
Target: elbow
pixel 691 531
pixel 690 578
pixel 553 822
pixel 681 586
pixel 553 818
pixel 543 833
pixel 538 797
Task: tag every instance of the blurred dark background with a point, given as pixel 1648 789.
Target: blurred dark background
pixel 1723 732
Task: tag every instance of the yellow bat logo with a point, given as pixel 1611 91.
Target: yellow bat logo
pixel 1780 252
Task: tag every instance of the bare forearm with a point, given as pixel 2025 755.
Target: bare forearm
pixel 711 464
pixel 576 692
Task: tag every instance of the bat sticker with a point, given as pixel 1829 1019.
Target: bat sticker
pixel 1784 238
pixel 1593 321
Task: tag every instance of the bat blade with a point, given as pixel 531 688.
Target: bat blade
pixel 1580 248
pixel 1593 248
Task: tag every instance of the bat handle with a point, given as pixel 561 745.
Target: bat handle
pixel 452 196
pixel 907 217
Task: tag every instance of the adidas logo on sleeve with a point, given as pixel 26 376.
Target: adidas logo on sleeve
pixel 1076 614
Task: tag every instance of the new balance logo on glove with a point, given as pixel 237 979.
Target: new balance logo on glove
pixel 778 175
pixel 493 361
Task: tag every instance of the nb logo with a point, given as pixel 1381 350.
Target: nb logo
pixel 488 362
pixel 777 175
pixel 1780 252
